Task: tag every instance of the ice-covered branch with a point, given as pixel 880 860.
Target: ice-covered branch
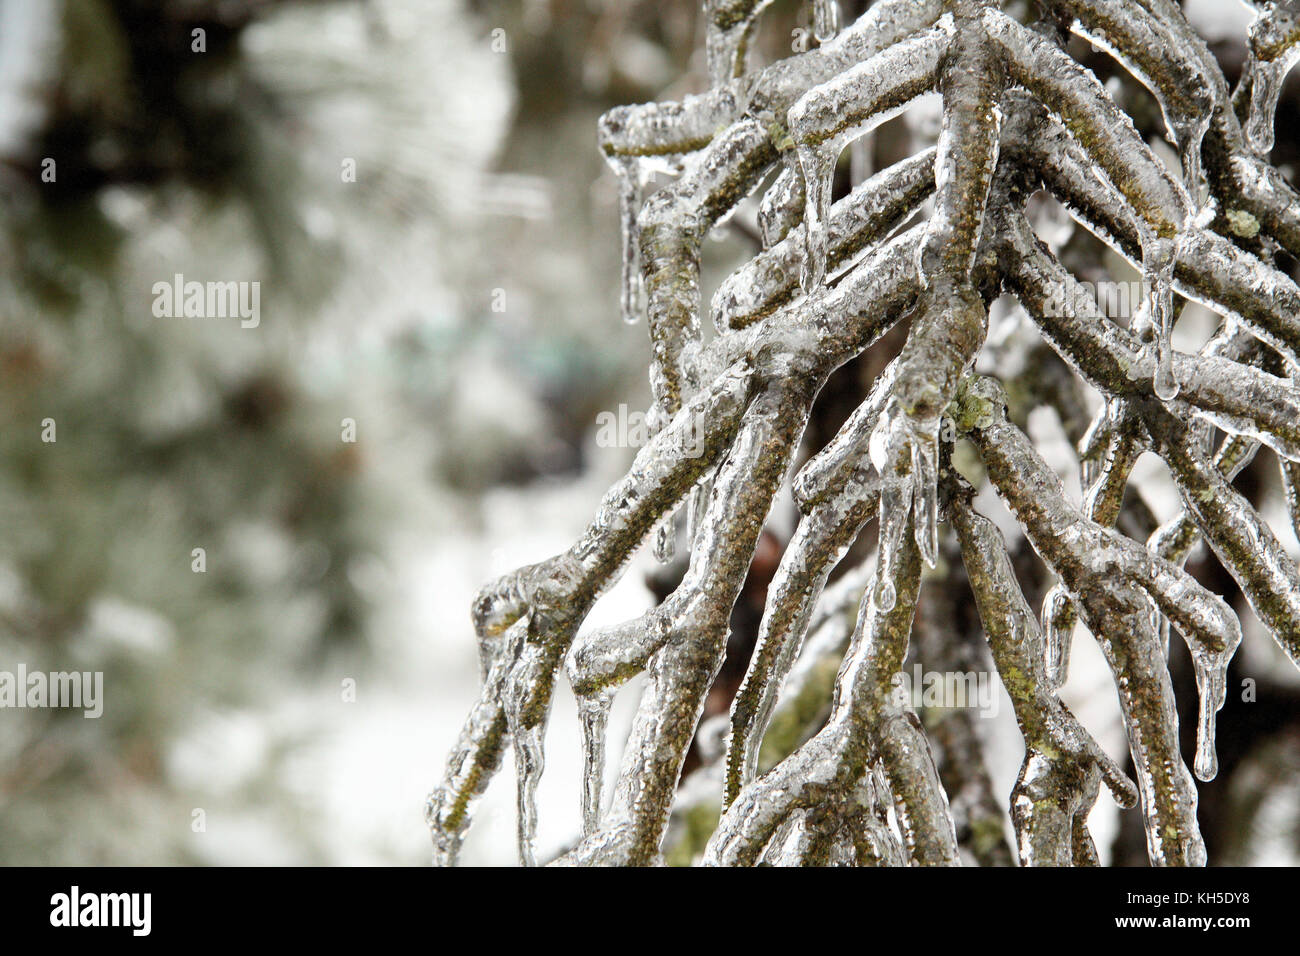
pixel 729 413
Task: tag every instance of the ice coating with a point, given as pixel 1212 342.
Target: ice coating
pixel 1117 579
pixel 1175 539
pixel 1108 451
pixel 1208 268
pixel 1266 79
pixel 951 321
pixel 1078 99
pixel 1291 490
pixel 837 759
pixel 1153 49
pixel 856 223
pixel 1231 526
pixel 839 494
pixel 1063 764
pixel 824 120
pixel 783 660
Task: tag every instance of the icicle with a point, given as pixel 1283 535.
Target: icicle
pixel 697 508
pixel 861 164
pixel 887 443
pixel 1095 441
pixel 1212 633
pixel 1291 491
pixel 527 741
pixel 1190 134
pixel 781 206
pixel 593 712
pixel 1158 262
pixel 1266 78
pixel 530 760
pixel 730 28
pixel 1274 44
pixel 722 50
pixel 633 176
pixel 826 20
pixel 818 172
pixel 666 541
pixel 925 492
pixel 895 506
pixel 1211 684
pixel 1056 637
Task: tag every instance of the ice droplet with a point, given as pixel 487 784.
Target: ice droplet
pixel 826 19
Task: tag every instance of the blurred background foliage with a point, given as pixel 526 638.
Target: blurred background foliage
pixel 458 301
